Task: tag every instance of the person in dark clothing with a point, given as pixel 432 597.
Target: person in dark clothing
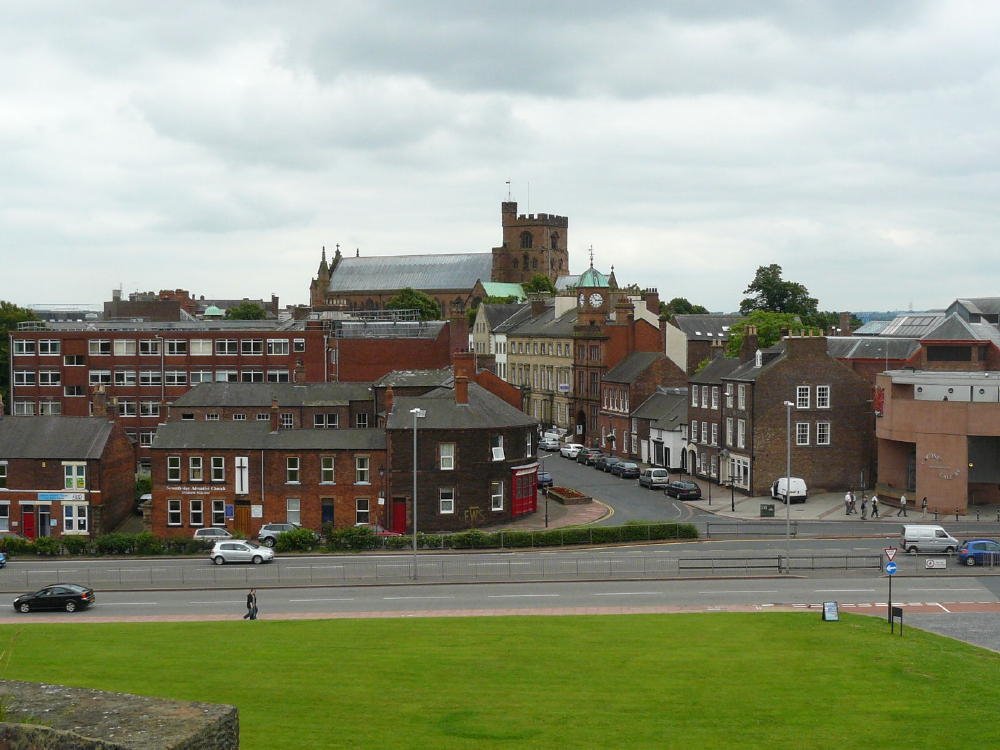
pixel 251 605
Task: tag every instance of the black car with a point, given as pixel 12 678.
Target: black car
pixel 626 470
pixel 604 463
pixel 683 490
pixel 544 479
pixel 68 596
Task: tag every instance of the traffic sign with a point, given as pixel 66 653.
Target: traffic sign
pixel 890 552
pixel 890 568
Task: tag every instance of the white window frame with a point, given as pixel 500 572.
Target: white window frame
pixel 802 397
pixel 49 377
pixel 174 517
pixel 446 500
pixel 446 456
pixel 49 347
pixel 150 377
pixel 496 495
pixel 218 512
pixel 821 438
pixel 196 512
pixel 741 433
pixel 218 468
pixel 201 347
pixel 196 469
pixel 292 469
pixel 175 347
pixel 149 347
pixel 293 510
pixel 327 470
pixel 741 396
pixel 124 377
pixel 802 430
pixel 694 396
pixel 694 431
pixel 496 447
pixel 227 347
pixel 3 477
pixel 149 408
pixel 278 346
pixel 124 348
pixel 24 347
pixel 277 376
pixel 362 470
pixel 99 347
pixel 173 468
pixel 822 397
pixel 362 510
pixel 715 397
pixel 74 475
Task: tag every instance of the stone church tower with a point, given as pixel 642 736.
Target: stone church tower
pixel 532 244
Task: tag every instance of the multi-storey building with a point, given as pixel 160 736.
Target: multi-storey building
pixel 62 476
pixel 690 340
pixel 708 432
pixel 661 421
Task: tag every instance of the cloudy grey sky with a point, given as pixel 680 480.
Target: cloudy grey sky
pixel 216 146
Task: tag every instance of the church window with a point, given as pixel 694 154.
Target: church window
pixel 555 240
pixel 525 240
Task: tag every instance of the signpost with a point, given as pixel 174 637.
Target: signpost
pixel 890 570
pixel 890 553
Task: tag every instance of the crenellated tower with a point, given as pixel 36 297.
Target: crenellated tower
pixel 532 244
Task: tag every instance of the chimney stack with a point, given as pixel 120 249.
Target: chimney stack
pixel 299 374
pixel 652 299
pixel 845 324
pixel 461 389
pixel 537 300
pixel 458 327
pixel 100 402
pixel 389 397
pixel 748 350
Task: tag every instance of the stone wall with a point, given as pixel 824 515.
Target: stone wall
pixel 44 717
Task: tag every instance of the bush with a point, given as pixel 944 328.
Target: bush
pixel 183 545
pixel 14 545
pixel 114 544
pixel 397 542
pixel 46 545
pixel 148 544
pixel 354 539
pixel 297 540
pixel 474 539
pixel 76 545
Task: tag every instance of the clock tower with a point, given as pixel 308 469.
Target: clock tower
pixel 590 337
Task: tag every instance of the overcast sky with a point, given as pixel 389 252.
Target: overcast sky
pixel 217 146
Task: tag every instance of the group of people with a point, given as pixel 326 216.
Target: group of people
pixel 851 508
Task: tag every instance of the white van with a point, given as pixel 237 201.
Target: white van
pixel 796 492
pixel 654 478
pixel 927 538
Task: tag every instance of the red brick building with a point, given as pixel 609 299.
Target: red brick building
pixel 63 476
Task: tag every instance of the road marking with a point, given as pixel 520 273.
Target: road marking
pixel 499 562
pixel 935 604
pixel 629 593
pixel 843 591
pixel 742 591
pixel 220 601
pixel 946 589
pixel 340 599
pixel 391 598
pixel 126 604
pixel 517 596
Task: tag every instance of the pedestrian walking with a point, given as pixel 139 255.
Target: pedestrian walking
pixel 854 505
pixel 864 507
pixel 875 506
pixel 902 507
pixel 923 506
pixel 251 605
pixel 847 503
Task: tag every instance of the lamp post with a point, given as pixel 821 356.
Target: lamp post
pixel 417 414
pixel 788 484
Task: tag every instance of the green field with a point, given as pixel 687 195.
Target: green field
pixel 684 680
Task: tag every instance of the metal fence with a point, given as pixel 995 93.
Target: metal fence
pixel 340 571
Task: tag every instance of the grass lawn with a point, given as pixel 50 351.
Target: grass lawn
pixel 683 680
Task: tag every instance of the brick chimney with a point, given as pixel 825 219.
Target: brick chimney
pixel 652 299
pixel 538 301
pixel 458 327
pixel 463 363
pixel 461 389
pixel 389 397
pixel 274 415
pixel 845 324
pixel 718 348
pixel 748 349
pixel 299 375
pixel 100 402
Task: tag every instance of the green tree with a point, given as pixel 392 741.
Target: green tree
pixel 413 299
pixel 680 306
pixel 772 293
pixel 769 326
pixel 10 316
pixel 246 311
pixel 540 283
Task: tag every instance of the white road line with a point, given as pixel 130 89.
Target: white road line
pixel 333 599
pixel 935 604
pixel 518 596
pixel 499 562
pixel 629 593
pixel 126 604
pixel 949 590
pixel 844 591
pixel 392 598
pixel 220 601
pixel 742 591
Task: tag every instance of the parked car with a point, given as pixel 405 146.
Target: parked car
pixel 654 478
pixel 626 470
pixel 237 550
pixel 213 533
pixel 549 444
pixel 979 552
pixel 270 532
pixel 593 457
pixel 604 463
pixel 68 596
pixel 3 560
pixel 586 455
pixel 544 479
pixel 917 537
pixel 569 450
pixel 796 493
pixel 683 490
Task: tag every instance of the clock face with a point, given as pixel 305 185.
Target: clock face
pixel 596 300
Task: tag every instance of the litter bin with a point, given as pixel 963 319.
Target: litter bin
pixel 767 510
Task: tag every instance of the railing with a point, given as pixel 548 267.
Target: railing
pixel 750 528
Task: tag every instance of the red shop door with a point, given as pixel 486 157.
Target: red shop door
pixel 524 493
pixel 399 515
pixel 28 522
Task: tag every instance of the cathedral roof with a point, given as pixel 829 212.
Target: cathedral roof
pixel 393 272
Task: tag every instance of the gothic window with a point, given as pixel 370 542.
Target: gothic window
pixel 525 240
pixel 555 240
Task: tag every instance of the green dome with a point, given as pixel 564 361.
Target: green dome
pixel 214 311
pixel 592 277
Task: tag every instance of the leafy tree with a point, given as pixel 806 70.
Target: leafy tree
pixel 413 299
pixel 825 320
pixel 10 316
pixel 680 306
pixel 772 293
pixel 769 325
pixel 540 283
pixel 246 311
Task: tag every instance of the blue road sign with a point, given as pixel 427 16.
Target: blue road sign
pixel 890 568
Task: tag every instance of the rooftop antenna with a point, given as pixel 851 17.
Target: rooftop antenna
pixel 591 255
pixel 508 191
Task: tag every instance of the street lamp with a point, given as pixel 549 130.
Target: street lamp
pixel 417 414
pixel 788 484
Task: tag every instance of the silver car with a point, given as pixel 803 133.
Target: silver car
pixel 240 551
pixel 270 532
pixel 212 533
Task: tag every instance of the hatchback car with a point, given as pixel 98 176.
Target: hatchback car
pixel 683 490
pixel 569 450
pixel 549 444
pixel 604 463
pixel 544 479
pixel 587 455
pixel 68 596
pixel 979 552
pixel 270 532
pixel 212 533
pixel 240 551
pixel 626 470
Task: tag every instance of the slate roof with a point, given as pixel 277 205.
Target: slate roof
pixel 497 313
pixel 872 328
pixel 666 408
pixel 630 368
pixel 980 305
pixel 706 327
pixel 569 281
pixel 53 437
pixel 484 411
pixel 383 273
pixel 416 378
pixel 717 369
pixel 261 394
pixel 258 436
pixel 545 325
pixel 956 328
pixel 871 347
pixel 514 320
